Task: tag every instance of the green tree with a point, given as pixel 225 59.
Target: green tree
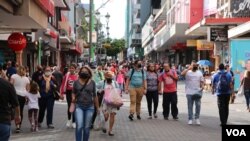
pixel 85 28
pixel 116 46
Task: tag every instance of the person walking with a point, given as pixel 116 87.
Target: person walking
pixel 98 76
pixel 152 90
pixel 58 75
pixel 136 86
pixel 37 76
pixel 67 87
pixel 194 83
pixel 32 97
pixel 222 86
pixel 84 98
pixel 169 79
pixel 11 69
pixel 108 110
pixel 9 102
pixel 21 84
pixel 246 86
pixel 46 102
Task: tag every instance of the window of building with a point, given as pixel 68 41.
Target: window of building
pixel 138 14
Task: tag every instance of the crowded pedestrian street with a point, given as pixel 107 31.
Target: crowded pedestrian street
pixel 146 129
pixel 124 70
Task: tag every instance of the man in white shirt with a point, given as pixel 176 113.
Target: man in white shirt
pixel 194 85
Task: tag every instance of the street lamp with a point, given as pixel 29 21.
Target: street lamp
pixel 107 28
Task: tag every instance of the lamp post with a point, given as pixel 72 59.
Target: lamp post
pixel 90 27
pixel 107 28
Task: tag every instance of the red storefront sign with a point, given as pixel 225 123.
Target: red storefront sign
pixel 17 41
pixel 179 46
pixel 51 33
pixel 47 6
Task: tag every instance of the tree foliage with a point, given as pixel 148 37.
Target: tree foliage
pixel 116 46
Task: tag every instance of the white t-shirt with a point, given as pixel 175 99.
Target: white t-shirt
pixel 33 100
pixel 20 84
pixel 193 80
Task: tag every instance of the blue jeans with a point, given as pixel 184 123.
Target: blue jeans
pixel 247 96
pixel 190 103
pixel 83 117
pixel 4 132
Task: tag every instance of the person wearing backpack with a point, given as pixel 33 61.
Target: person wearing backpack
pixel 222 85
pixel 136 86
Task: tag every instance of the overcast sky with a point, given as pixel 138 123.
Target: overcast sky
pixel 116 9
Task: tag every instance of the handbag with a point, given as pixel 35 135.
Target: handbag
pixel 113 98
pixel 72 107
pixel 241 91
pixel 198 95
pixel 99 121
pixel 56 95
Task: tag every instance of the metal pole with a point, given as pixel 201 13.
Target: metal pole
pixel 90 27
pixel 39 51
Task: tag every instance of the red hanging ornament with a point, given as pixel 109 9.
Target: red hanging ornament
pixel 17 41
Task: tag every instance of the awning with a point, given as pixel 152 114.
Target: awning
pixel 239 30
pixel 51 33
pixel 47 5
pixel 65 39
pixel 201 27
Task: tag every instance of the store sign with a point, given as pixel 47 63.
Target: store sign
pixel 191 43
pixel 218 35
pixel 210 7
pixel 204 45
pixel 17 41
pixel 240 8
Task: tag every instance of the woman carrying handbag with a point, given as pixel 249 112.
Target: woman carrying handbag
pixel 109 107
pixel 84 99
pixel 245 84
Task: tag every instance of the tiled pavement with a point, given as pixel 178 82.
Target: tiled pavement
pixel 145 129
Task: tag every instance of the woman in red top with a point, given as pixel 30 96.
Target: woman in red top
pixel 67 87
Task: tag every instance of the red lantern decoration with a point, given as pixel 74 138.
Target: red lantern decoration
pixel 17 41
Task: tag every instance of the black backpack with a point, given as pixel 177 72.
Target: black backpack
pixel 223 84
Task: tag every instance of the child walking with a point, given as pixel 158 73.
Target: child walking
pixel 32 97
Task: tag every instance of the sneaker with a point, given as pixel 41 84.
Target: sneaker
pixel 190 122
pixel 155 116
pixel 198 121
pixel 18 130
pixel 138 117
pixel 74 125
pixel 175 118
pixel 104 130
pixel 69 124
pixel 150 117
pixel 36 129
pixel 51 126
pixel 166 118
pixel 131 117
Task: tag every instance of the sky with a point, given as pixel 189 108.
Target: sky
pixel 116 9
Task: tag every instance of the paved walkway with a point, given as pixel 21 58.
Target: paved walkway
pixel 145 129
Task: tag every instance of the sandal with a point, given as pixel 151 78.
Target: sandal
pixel 111 134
